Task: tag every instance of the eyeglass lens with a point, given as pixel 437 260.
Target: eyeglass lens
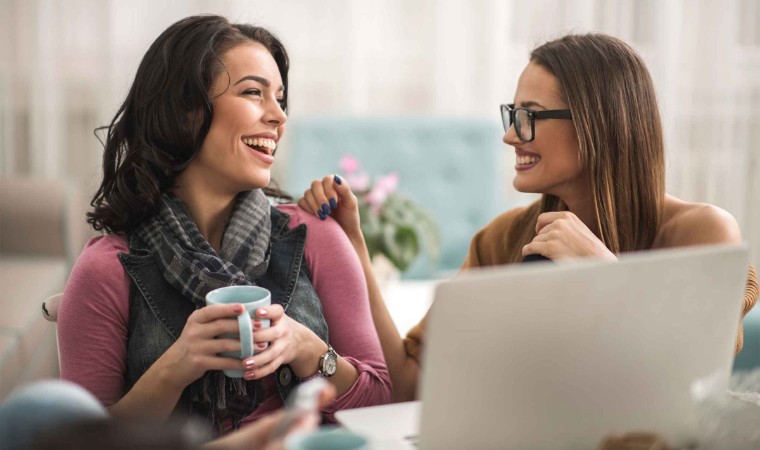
pixel 523 125
pixel 522 122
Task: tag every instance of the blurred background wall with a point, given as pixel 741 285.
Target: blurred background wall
pixel 67 64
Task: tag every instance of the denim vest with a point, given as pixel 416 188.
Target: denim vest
pixel 158 312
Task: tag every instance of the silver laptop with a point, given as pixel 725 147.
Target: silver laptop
pixel 546 356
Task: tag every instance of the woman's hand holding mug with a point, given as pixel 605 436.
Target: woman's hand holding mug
pixel 247 299
pixel 197 349
pixel 286 341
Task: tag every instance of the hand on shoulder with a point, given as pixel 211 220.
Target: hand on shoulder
pixel 332 196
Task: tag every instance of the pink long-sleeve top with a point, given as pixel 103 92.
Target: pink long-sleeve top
pixel 94 314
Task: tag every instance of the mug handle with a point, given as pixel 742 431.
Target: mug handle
pixel 246 335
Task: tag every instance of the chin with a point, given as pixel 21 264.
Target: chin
pixel 259 185
pixel 258 180
pixel 250 184
pixel 522 186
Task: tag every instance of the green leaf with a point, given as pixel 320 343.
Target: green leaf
pixel 401 229
pixel 371 229
pixel 400 245
pixel 403 211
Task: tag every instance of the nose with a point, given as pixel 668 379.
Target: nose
pixel 510 137
pixel 274 115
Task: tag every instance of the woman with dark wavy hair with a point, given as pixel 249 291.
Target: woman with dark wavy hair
pixel 183 203
pixel 587 135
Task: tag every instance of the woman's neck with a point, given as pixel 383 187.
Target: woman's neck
pixel 209 210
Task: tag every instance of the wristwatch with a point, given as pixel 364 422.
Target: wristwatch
pixel 328 363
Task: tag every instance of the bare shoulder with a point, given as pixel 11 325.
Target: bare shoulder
pixel 689 223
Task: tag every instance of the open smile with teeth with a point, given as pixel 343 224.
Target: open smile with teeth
pixel 263 145
pixel 525 160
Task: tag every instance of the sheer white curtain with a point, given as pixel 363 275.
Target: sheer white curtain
pixel 66 65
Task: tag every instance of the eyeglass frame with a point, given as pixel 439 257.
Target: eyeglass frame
pixel 532 116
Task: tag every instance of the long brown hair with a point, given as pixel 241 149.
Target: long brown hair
pixel 160 127
pixel 612 98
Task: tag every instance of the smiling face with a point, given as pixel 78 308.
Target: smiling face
pixel 248 121
pixel 550 164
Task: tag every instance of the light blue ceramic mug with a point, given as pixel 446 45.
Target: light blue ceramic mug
pixel 327 438
pixel 252 298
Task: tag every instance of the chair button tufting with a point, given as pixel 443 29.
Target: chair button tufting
pixel 285 376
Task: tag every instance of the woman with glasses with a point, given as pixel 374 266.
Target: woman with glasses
pixel 586 133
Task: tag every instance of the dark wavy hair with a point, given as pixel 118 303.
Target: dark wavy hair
pixel 160 127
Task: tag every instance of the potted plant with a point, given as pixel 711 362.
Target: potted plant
pixel 395 227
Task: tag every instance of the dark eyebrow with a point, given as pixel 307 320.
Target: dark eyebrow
pixel 529 103
pixel 263 81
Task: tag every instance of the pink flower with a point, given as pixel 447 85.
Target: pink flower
pixel 349 164
pixel 359 182
pixel 387 183
pixel 384 186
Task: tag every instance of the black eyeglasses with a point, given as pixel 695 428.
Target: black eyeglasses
pixel 524 119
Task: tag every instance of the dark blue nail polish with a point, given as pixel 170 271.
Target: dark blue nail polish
pixel 325 209
pixel 321 215
pixel 338 180
pixel 333 203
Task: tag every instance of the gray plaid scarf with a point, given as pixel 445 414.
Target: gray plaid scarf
pixel 190 264
pixel 192 267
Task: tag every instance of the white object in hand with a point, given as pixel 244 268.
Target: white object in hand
pixel 302 401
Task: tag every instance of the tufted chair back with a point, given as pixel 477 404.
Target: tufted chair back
pixel 454 167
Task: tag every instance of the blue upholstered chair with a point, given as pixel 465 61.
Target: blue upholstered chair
pixel 749 357
pixel 455 167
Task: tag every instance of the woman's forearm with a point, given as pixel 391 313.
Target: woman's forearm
pixel 308 364
pixel 403 369
pixel 155 394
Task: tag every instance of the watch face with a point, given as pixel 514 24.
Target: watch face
pixel 331 364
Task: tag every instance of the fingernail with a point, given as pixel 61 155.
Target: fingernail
pixel 239 309
pixel 321 215
pixel 262 312
pixel 325 208
pixel 261 346
pixel 338 180
pixel 256 325
pixel 248 375
pixel 248 363
pixel 333 203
